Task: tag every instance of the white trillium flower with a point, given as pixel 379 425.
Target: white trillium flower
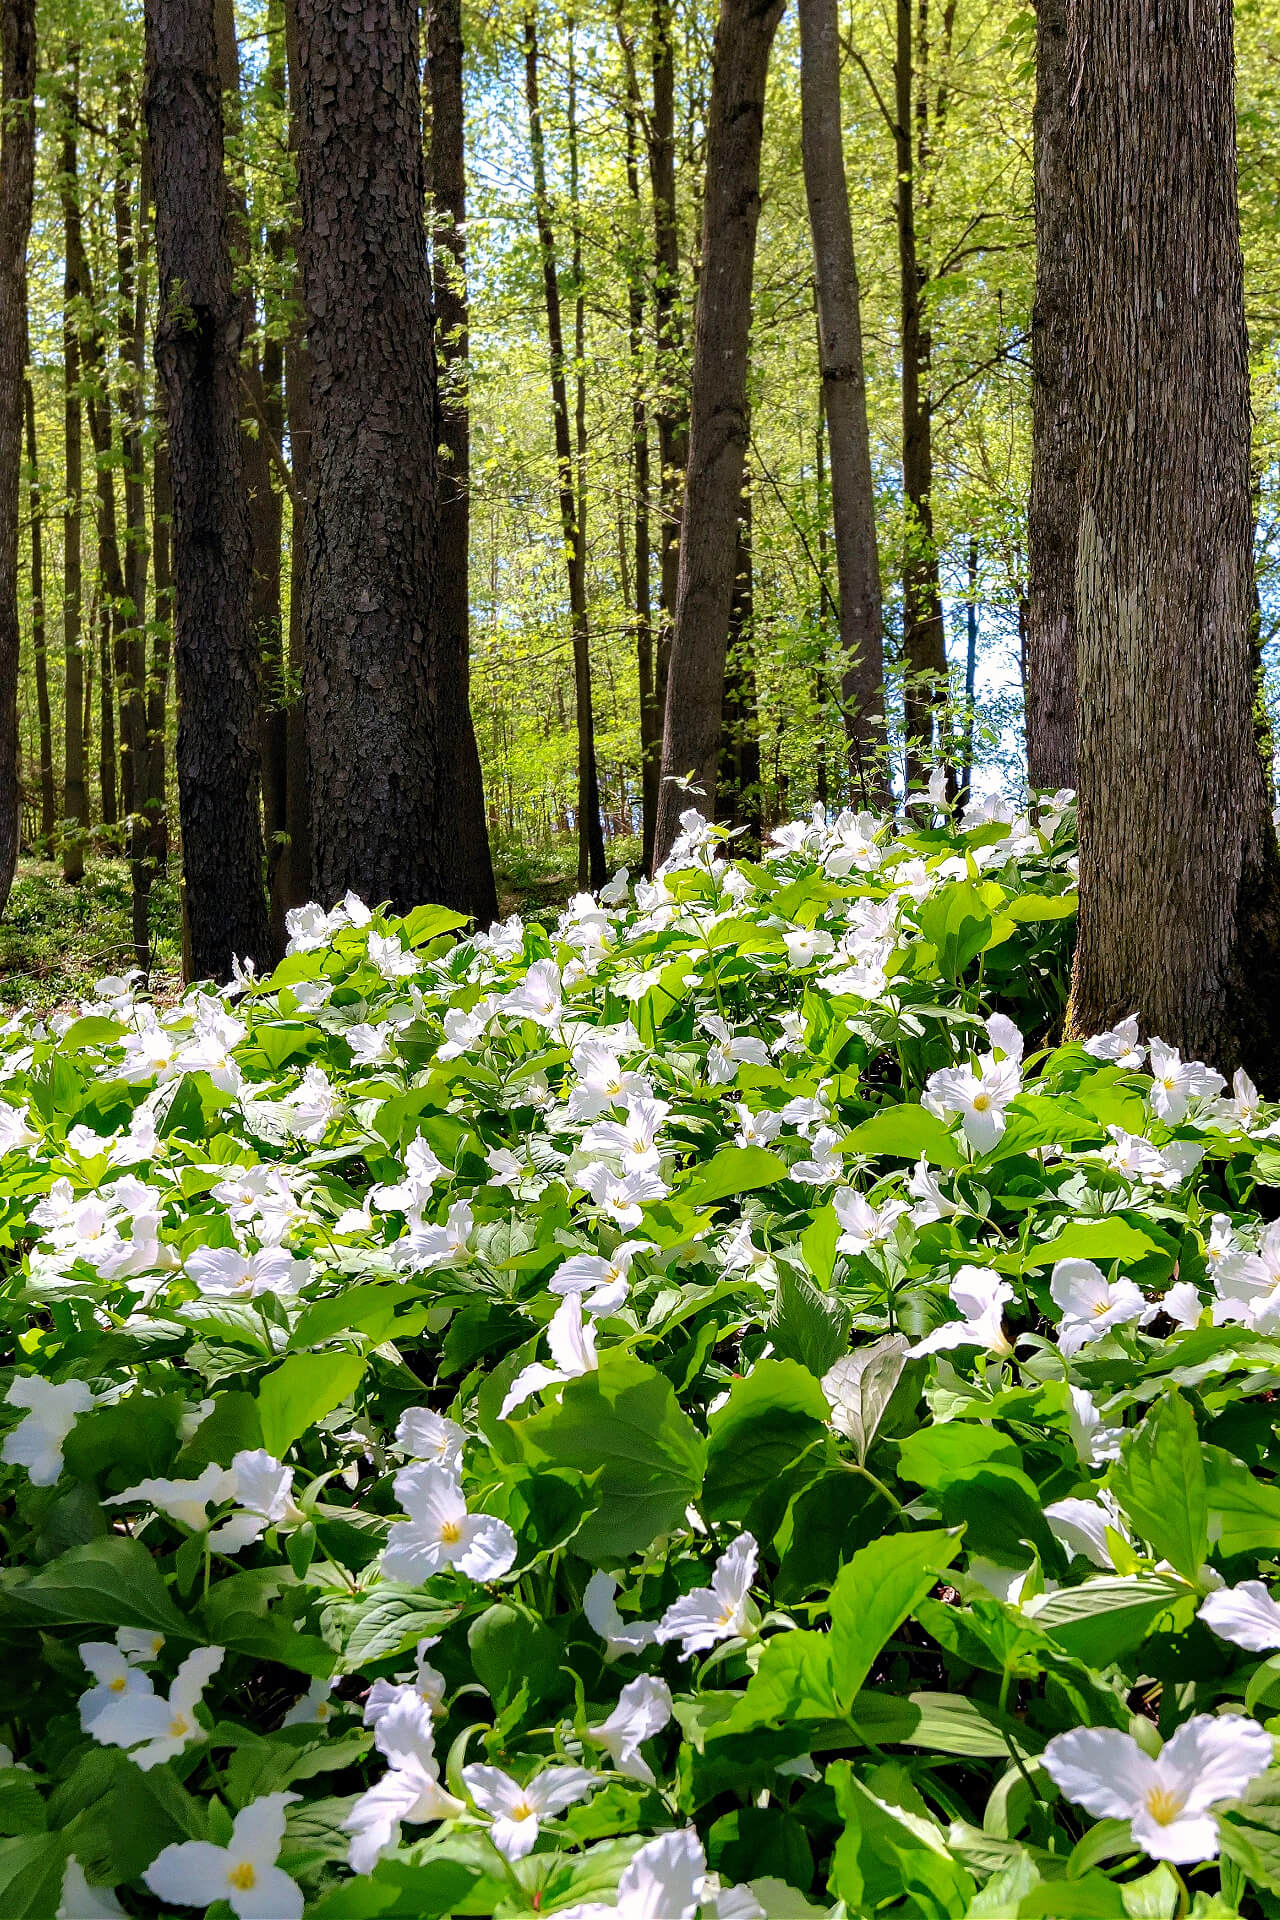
pixel 80 1901
pixel 1182 1304
pixel 621 1199
pixel 633 1140
pixel 1091 1304
pixel 825 1165
pixel 756 1129
pixel 425 1246
pixel 931 1202
pixel 728 1051
pixel 1167 1801
pixel 866 1227
pixel 116 1672
pixel 409 1791
pixel 263 1491
pixel 314 1708
pixel 426 1685
pixel 643 1710
pixel 979 1094
pixel 426 1435
pixel 1177 1082
pixel 195 1873
pixel 573 1348
pixel 441 1533
pixel 1119 1044
pixel 1094 1440
pixel 663 1880
pixel 981 1297
pixel 701 1619
pixel 600 1608
pixel 517 1810
pixel 1246 1615
pixel 152 1728
pixel 602 1283
pixel 36 1442
pixel 228 1273
pixel 1081 1527
pixel 540 996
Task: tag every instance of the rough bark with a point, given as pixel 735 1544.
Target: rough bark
pixel 397 806
pixel 718 427
pixel 293 871
pixel 131 276
pixel 17 163
pixel 39 637
pixel 738 789
pixel 924 647
pixel 197 349
pixel 156 803
pixel 75 803
pixel 1179 879
pixel 844 395
pixel 671 399
pixel 1053 516
pixel 569 466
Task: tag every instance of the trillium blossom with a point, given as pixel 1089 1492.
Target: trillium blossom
pixel 1248 1285
pixel 426 1684
pixel 80 1901
pixel 866 1227
pixel 1167 1801
pixel 314 1708
pixel 155 1729
pixel 15 1134
pixel 425 1246
pixel 1091 1304
pixel 621 1199
pixel 226 1272
pixel 600 1608
pixel 36 1442
pixel 1119 1043
pixel 719 1612
pixel 633 1140
pixel 1182 1305
pixel 1094 1440
pixel 643 1710
pixel 573 1348
pixel 427 1435
pixel 825 1166
pixel 409 1791
pixel 981 1297
pixel 979 1094
pixel 756 1129
pixel 1246 1615
pixel 602 1082
pixel 195 1873
pixel 663 1880
pixel 931 1202
pixel 116 1671
pixel 540 995
pixel 441 1533
pixel 263 1491
pixel 1177 1082
pixel 728 1051
pixel 1081 1526
pixel 517 1810
pixel 602 1283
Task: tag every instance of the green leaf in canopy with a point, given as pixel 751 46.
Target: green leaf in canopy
pixel 732 1171
pixel 302 1390
pixel 1160 1482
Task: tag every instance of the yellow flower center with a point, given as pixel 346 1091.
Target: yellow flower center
pixel 1099 1308
pixel 1163 1805
pixel 323 1710
pixel 981 1102
pixel 522 1811
pixel 1168 1085
pixel 243 1876
pixel 119 1684
pixel 179 1727
pixel 450 1533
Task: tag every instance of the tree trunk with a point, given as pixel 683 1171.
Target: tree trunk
pixel 970 670
pixel 17 165
pixel 591 867
pixel 650 713
pixel 448 187
pixel 1053 517
pixel 156 804
pixel 131 262
pixel 844 394
pixel 924 647
pixel 738 796
pixel 75 805
pixel 718 410
pixel 197 347
pixel 1179 878
pixel 397 804
pixel 671 405
pixel 39 638
pixel 107 770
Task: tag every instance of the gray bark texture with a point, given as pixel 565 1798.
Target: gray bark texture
pixel 197 348
pixel 718 419
pixel 397 808
pixel 1179 884
pixel 17 163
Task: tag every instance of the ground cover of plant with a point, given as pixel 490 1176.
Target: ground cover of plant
pixel 700 1408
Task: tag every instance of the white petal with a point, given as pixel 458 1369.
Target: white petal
pixel 1101 1769
pixel 1246 1615
pixel 1214 1758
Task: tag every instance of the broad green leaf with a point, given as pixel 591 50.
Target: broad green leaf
pixel 511 1649
pixel 301 1391
pixel 774 1418
pixel 1106 1618
pixel 110 1582
pixel 956 922
pixel 385 1623
pixel 906 1132
pixel 808 1325
pixel 625 1422
pixel 732 1171
pixel 1244 1510
pixel 1160 1482
pixel 892 1849
pixel 874 1594
pixel 861 1387
pixel 1100 1241
pixel 428 923
pixel 32 1867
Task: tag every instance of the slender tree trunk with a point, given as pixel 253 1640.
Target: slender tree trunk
pixel 650 714
pixel 17 164
pixel 671 405
pixel 844 394
pixel 970 666
pixel 1053 517
pixel 131 263
pixel 75 805
pixel 1179 877
pixel 448 187
pixel 718 409
pixel 197 346
pixel 397 804
pixel 293 884
pixel 157 785
pixel 738 796
pixel 39 638
pixel 923 635
pixel 107 767
pixel 591 867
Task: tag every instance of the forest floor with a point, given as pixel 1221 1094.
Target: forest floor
pixel 56 940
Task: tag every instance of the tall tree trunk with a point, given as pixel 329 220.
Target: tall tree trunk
pixel 1053 517
pixel 650 713
pixel 156 805
pixel 1179 877
pixel 924 647
pixel 131 267
pixel 17 166
pixel 197 346
pixel 738 795
pixel 75 805
pixel 293 871
pixel 671 404
pixel 718 409
pixel 107 767
pixel 39 638
pixel 397 804
pixel 448 186
pixel 844 394
pixel 970 668
pixel 569 463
